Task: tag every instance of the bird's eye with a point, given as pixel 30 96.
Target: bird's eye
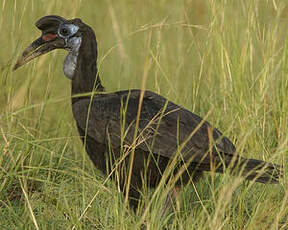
pixel 64 31
pixel 67 30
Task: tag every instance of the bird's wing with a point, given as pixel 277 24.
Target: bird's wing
pixel 163 126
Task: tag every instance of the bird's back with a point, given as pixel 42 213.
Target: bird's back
pixel 162 124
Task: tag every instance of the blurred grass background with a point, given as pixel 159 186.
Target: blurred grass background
pixel 230 57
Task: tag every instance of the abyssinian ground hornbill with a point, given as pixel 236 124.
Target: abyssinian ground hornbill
pixel 132 132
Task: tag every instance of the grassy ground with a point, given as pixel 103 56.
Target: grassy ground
pixel 226 57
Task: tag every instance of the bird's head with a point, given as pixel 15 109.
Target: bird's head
pixel 57 33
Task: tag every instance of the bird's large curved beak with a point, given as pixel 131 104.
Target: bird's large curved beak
pixel 40 46
pixel 48 41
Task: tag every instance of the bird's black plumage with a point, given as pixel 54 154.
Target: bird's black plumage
pixel 147 125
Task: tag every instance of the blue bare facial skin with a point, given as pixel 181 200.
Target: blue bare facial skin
pixel 67 31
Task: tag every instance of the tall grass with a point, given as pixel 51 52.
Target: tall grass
pixel 226 57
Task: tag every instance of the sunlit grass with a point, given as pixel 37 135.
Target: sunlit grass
pixel 226 57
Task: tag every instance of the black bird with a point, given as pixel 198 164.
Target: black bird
pixel 132 134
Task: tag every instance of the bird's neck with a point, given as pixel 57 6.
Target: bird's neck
pixel 86 76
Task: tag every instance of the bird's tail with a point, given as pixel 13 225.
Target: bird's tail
pixel 251 169
pixel 260 171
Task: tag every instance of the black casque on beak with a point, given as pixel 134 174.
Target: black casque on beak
pixel 48 41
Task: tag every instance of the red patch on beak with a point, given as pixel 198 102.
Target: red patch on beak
pixel 48 37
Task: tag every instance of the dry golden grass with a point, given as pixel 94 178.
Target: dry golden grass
pixel 227 57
